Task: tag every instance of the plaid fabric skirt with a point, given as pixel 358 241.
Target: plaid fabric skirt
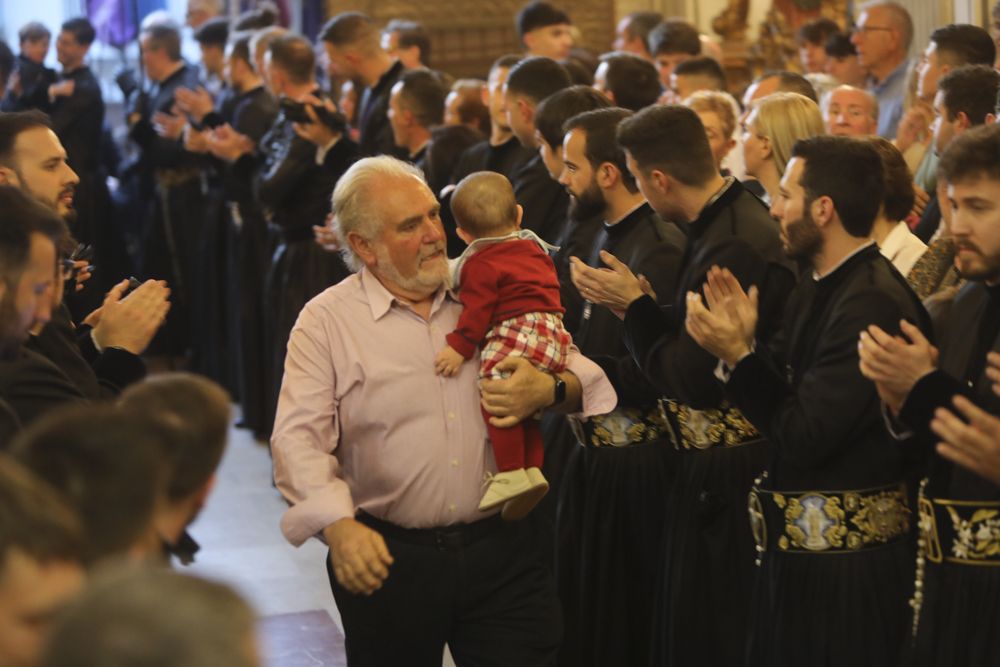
pixel 538 337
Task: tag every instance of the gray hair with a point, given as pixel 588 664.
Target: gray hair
pixel 825 106
pixel 355 204
pixel 898 14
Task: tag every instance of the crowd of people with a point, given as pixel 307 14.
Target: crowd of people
pixel 730 368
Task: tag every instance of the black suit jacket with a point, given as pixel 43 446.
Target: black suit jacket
pixel 376 132
pixel 544 200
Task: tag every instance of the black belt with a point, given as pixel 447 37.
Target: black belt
pixel 622 427
pixel 448 538
pixel 965 532
pixel 827 522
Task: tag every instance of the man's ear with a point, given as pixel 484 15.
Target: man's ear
pixel 464 235
pixel 822 211
pixel 611 97
pixel 363 248
pixel 8 177
pixel 607 175
pixel 526 110
pixel 520 215
pixel 963 120
pixel 661 179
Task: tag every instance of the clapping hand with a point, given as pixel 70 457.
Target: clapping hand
pixel 614 287
pixel 895 363
pixel 726 326
pixel 196 103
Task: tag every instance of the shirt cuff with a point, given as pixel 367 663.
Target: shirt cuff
pixel 321 151
pixel 308 517
pixel 724 371
pixel 896 428
pixel 598 397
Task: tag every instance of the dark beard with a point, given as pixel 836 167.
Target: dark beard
pixel 588 204
pixel 804 239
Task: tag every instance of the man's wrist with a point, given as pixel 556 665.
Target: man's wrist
pixel 736 355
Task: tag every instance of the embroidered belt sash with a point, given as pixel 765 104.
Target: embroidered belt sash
pixel 622 427
pixel 962 532
pixel 724 426
pixel 827 522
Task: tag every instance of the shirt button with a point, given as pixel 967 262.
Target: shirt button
pixel 451 415
pixel 452 508
pixel 454 463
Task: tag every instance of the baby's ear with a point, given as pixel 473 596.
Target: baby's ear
pixel 520 214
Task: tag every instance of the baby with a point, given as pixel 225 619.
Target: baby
pixel 510 293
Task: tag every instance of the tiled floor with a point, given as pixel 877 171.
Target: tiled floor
pixel 242 546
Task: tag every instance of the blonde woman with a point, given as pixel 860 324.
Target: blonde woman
pixel 775 123
pixel 715 109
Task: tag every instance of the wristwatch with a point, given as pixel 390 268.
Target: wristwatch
pixel 560 390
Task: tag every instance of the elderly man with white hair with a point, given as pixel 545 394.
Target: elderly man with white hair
pixel 850 112
pixel 385 459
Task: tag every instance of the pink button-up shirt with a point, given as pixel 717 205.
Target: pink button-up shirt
pixel 364 422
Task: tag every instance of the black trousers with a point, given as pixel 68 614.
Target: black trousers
pixel 481 589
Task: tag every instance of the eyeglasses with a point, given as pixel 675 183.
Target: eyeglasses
pixel 872 28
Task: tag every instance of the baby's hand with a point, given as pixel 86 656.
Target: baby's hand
pixel 448 362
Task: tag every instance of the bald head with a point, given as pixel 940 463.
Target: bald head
pixel 484 205
pixel 850 112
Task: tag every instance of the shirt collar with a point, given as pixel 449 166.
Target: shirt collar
pixel 817 277
pixel 381 300
pixel 630 212
pixel 879 86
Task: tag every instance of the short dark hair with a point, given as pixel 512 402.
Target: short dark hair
pixel 81 29
pixel 196 410
pixel 964 44
pixel 152 616
pixel 849 172
pixel 412 33
pixel 535 15
pixel 791 82
pixel 559 107
pixel 674 36
pixel 213 32
pixel 347 28
pixel 633 81
pixel 840 46
pixel 970 89
pixel 33 32
pixel 972 154
pixel 294 54
pixel 537 77
pixel 602 145
pixel 22 217
pixel 471 108
pixel 899 193
pixel 640 24
pixel 264 15
pixel 108 466
pixel 165 36
pixel 12 124
pixel 422 93
pixel 33 520
pixel 703 66
pixel 506 61
pixel 816 31
pixel 239 46
pixel 670 138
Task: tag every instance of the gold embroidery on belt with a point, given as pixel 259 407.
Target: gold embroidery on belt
pixel 830 521
pixel 701 429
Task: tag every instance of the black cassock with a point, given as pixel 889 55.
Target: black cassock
pixel 296 191
pixel 824 603
pixel 704 584
pixel 544 200
pixel 612 493
pixel 253 114
pixel 170 195
pixel 957 622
